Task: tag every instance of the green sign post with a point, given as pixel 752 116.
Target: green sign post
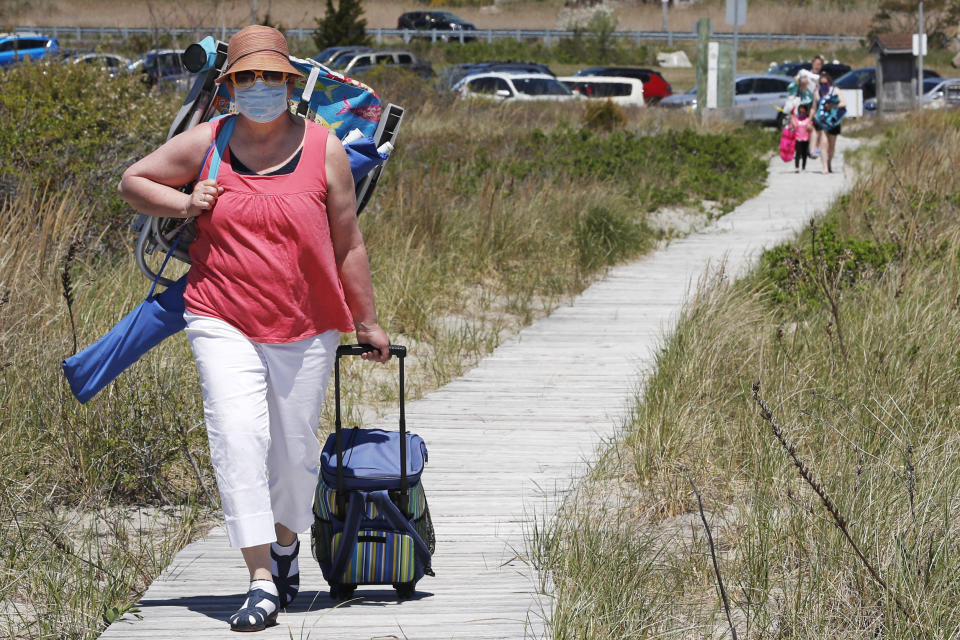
pixel 703 43
pixel 726 57
pixel 715 79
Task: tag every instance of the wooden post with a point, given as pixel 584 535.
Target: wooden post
pixel 920 33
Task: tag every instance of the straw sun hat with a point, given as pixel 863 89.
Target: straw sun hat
pixel 258 48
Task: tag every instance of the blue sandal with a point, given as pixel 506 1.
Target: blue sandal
pixel 258 612
pixel 286 574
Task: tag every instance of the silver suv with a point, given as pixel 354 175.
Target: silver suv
pixel 356 62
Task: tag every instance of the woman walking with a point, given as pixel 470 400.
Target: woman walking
pixel 827 101
pixel 807 80
pixel 279 269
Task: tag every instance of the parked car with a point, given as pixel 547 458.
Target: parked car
pixel 934 96
pixel 452 74
pixel 935 92
pixel 758 95
pixel 835 69
pixel 865 79
pixel 357 62
pixel 111 63
pixel 655 87
pixel 162 66
pixel 497 85
pixel 437 21
pixel 328 55
pixel 623 91
pixel 15 47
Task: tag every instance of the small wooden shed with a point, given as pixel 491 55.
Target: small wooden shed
pixel 896 71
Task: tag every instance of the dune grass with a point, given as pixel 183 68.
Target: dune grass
pixel 851 334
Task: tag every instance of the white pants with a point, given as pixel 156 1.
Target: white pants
pixel 261 403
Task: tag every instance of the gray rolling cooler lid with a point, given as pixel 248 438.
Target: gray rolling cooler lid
pixel 371 459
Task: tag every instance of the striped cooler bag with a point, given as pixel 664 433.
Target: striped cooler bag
pixel 371 521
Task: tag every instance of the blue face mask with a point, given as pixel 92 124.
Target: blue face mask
pixel 260 102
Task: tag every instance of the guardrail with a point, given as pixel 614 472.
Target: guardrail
pixel 548 36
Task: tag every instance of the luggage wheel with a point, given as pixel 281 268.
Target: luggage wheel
pixel 342 591
pixel 405 590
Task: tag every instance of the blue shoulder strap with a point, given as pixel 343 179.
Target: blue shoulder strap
pixel 348 536
pixel 220 145
pixel 390 511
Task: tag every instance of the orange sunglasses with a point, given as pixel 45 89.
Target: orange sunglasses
pixel 245 79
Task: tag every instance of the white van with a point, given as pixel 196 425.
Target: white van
pixel 623 91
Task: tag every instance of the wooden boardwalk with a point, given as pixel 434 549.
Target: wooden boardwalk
pixel 505 440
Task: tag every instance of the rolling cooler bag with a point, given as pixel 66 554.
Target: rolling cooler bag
pixel 371 521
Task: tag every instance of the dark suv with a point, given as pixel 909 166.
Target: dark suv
pixel 15 47
pixel 655 87
pixel 438 21
pixel 162 65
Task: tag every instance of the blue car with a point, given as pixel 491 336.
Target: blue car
pixel 15 47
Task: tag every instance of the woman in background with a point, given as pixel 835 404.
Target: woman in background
pixel 827 100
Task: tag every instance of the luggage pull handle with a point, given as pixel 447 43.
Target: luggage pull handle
pixel 357 350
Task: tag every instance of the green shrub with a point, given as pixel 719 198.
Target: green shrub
pixel 604 237
pixel 603 115
pixel 676 167
pixel 74 127
pixel 343 25
pixel 790 270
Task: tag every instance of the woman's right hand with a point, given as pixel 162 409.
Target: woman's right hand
pixel 203 198
pixel 371 333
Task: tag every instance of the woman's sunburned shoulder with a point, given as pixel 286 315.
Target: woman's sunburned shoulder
pixel 190 146
pixel 334 145
pixel 201 135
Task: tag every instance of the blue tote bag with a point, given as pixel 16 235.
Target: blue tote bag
pixel 153 321
pixel 363 156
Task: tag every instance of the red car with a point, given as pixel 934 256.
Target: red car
pixel 655 88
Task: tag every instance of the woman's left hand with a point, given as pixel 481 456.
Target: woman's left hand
pixel 371 333
pixel 204 196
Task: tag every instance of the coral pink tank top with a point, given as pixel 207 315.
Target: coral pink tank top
pixel 263 258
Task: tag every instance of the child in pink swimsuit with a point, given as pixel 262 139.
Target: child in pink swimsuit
pixel 802 126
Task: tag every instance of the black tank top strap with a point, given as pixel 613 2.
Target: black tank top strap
pixel 242 169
